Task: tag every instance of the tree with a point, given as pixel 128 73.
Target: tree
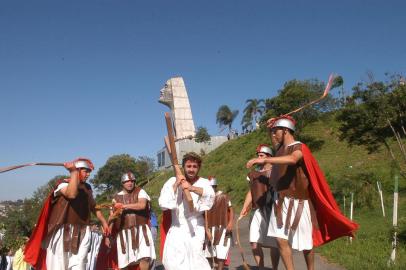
pixel 145 166
pixel 295 94
pixel 254 109
pixel 107 178
pixel 376 114
pixel 225 116
pixel 202 135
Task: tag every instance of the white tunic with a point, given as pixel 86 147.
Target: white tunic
pixel 56 258
pixel 301 238
pixel 95 240
pixel 143 251
pixel 184 242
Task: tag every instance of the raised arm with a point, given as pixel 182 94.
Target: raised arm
pixel 71 191
pixel 291 159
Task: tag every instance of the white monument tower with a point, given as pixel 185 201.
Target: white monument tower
pixel 174 95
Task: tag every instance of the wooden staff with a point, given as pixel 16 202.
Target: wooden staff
pixel 326 90
pixel 244 263
pixel 170 146
pixel 10 168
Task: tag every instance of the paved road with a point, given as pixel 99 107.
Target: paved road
pixel 299 262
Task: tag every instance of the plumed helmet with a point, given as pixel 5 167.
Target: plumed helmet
pixel 284 123
pixel 213 181
pixel 264 148
pixel 128 176
pixel 83 163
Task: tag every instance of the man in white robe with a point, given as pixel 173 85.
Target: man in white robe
pixel 183 249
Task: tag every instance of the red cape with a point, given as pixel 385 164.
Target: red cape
pixel 107 258
pixel 164 228
pixel 34 254
pixel 332 223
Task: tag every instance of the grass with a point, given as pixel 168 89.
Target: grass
pixel 342 166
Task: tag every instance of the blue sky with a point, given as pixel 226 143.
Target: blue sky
pixel 82 78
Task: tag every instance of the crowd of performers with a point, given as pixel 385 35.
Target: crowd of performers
pixel 292 209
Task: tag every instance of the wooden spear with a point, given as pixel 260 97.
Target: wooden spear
pixel 10 168
pixel 326 90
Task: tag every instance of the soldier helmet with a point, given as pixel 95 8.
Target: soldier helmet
pixel 285 123
pixel 264 148
pixel 128 176
pixel 213 181
pixel 83 163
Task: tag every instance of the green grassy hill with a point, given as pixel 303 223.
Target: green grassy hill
pixel 347 170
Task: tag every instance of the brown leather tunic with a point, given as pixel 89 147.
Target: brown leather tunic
pixel 290 180
pixel 259 185
pixel 131 218
pixel 134 220
pixel 75 212
pixel 217 216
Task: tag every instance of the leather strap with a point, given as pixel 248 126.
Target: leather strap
pixel 137 238
pixel 144 231
pixel 278 211
pixel 134 238
pixel 74 246
pixel 218 231
pixel 289 214
pixel 299 212
pixel 66 238
pixel 121 236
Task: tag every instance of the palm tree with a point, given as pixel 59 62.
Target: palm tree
pixel 225 116
pixel 254 109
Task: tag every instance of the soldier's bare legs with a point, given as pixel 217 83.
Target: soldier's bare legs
pixel 275 255
pixel 286 253
pixel 144 264
pixel 258 254
pixel 220 264
pixel 309 258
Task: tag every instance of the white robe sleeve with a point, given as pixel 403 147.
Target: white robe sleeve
pixel 206 201
pixel 167 197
